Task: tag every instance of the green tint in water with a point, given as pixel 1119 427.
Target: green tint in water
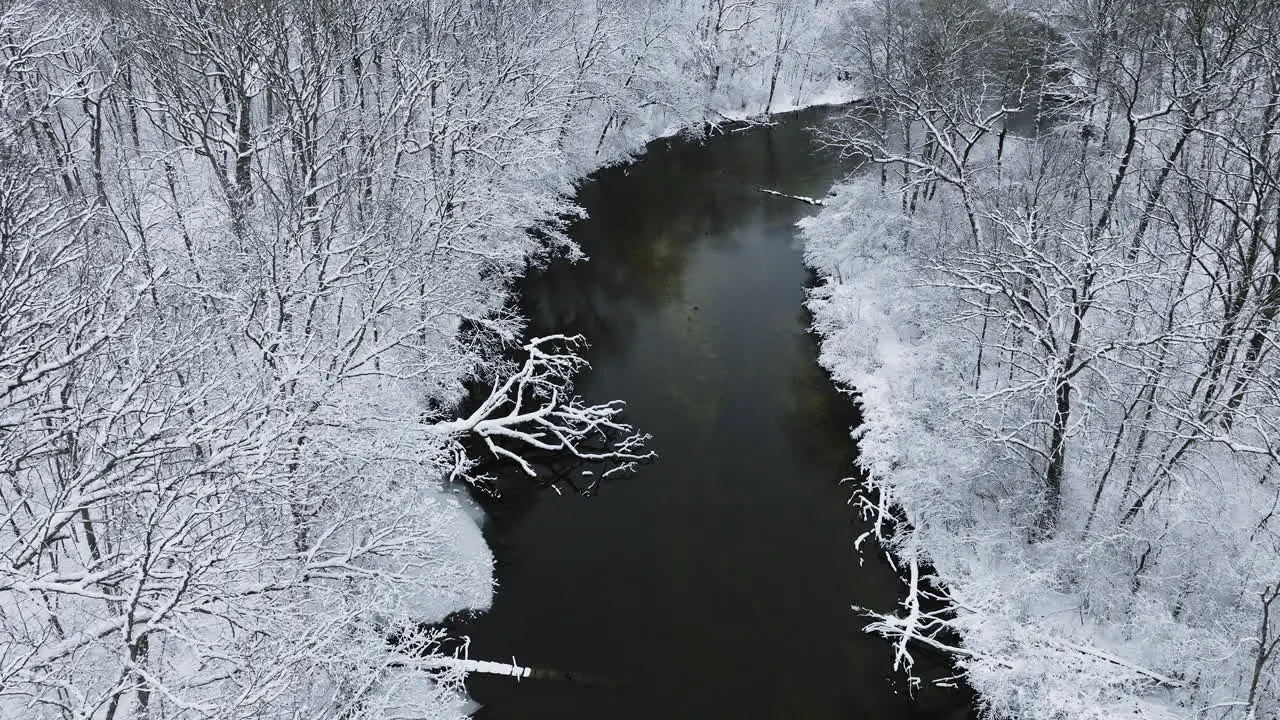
pixel 718 581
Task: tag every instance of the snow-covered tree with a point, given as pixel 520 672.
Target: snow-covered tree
pixel 252 255
pixel 1079 206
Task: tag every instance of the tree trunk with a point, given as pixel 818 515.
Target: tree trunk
pixel 1047 522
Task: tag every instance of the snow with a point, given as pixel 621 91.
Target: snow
pixel 228 482
pixel 1050 629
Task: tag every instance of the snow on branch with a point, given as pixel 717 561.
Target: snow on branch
pixel 533 410
pixel 917 625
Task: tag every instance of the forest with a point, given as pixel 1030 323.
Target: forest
pixel 251 256
pixel 1055 292
pixel 257 336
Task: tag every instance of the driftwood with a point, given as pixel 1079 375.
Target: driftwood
pixel 511 669
pixel 801 198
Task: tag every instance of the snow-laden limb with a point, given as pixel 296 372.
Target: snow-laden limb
pixel 484 667
pixel 915 626
pixel 533 409
pixel 460 662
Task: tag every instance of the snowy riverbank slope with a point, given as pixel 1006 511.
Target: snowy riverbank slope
pixel 1155 616
pixel 250 253
pixel 1056 290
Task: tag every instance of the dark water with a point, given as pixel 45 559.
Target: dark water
pixel 717 582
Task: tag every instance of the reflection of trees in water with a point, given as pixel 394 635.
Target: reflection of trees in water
pixel 645 219
pixel 694 379
pixel 819 418
pixel 639 238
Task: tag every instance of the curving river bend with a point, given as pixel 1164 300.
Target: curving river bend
pixel 717 582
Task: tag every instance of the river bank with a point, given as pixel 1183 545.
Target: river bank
pixel 1035 639
pixel 719 580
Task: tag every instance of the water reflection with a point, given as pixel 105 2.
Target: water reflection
pixel 717 582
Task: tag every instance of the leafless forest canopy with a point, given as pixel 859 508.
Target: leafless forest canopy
pixel 250 251
pixel 1065 256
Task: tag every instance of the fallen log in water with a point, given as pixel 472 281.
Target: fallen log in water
pixel 801 198
pixel 479 666
pixel 511 669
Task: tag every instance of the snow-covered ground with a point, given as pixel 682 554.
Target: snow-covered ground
pixel 252 254
pixel 1058 628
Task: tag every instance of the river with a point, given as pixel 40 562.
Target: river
pixel 717 581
